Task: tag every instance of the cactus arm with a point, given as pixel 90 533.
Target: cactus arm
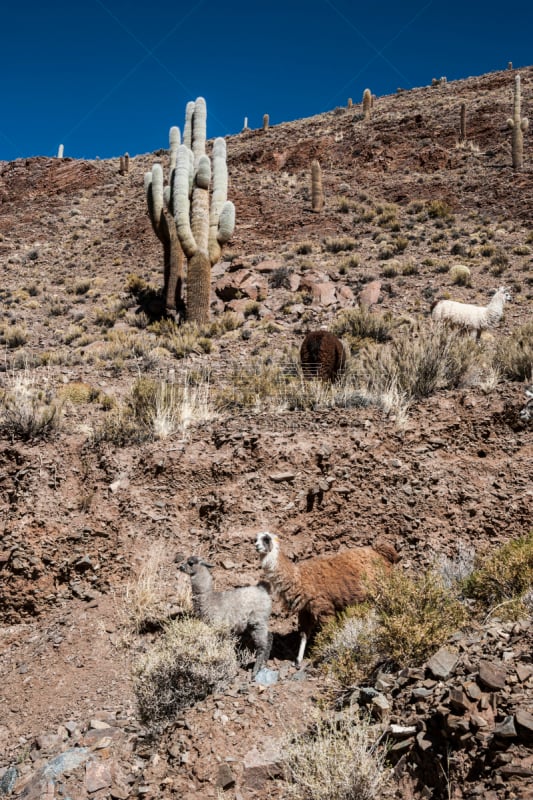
pixel 226 223
pixel 174 141
pixel 153 184
pixel 181 202
pixel 222 212
pixel 317 191
pixel 187 130
pixel 199 129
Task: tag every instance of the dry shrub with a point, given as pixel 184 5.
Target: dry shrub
pixel 419 363
pixel 338 758
pixel 502 579
pixel 339 244
pixel 460 275
pixel 345 646
pixel 513 357
pixel 151 597
pixel 78 393
pixel 27 410
pixel 189 662
pixel 156 409
pixel 255 385
pixel 455 570
pixel 360 323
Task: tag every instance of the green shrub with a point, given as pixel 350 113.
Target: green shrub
pixel 502 578
pixel 415 616
pixel 404 621
pixel 189 662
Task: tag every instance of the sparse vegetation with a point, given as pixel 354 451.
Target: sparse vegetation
pixel 513 356
pixel 28 411
pixel 146 603
pixel 502 578
pixel 338 758
pixel 189 661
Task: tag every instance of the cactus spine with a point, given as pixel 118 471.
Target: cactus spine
pixel 367 103
pixel 317 192
pixel 518 126
pixel 165 230
pixel 204 223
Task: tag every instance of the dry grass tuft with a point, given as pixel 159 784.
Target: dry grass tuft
pixel 419 364
pixel 28 411
pixel 513 357
pixel 338 758
pixel 150 597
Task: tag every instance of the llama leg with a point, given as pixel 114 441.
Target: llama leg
pixel 262 640
pixel 301 651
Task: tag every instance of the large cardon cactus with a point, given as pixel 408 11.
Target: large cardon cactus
pixel 204 217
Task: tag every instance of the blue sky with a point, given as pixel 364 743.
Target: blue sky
pixel 104 77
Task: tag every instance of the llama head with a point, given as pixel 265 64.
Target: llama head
pixel 504 293
pixel 267 545
pixel 193 565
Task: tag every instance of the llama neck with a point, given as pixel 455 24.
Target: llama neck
pixel 283 577
pixel 496 303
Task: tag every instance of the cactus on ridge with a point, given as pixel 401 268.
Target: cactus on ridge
pixel 462 135
pixel 367 103
pixel 518 126
pixel 266 122
pixel 317 191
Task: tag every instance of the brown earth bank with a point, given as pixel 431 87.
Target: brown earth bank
pixel 81 511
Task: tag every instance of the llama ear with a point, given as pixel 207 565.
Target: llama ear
pixel 206 564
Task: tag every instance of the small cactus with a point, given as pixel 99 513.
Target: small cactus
pixel 266 122
pixel 317 192
pixel 367 104
pixel 60 150
pixel 124 164
pixel 350 103
pixel 518 126
pixel 462 135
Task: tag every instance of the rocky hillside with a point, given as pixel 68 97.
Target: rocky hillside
pixel 91 489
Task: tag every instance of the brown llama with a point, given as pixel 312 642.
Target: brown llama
pixel 322 355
